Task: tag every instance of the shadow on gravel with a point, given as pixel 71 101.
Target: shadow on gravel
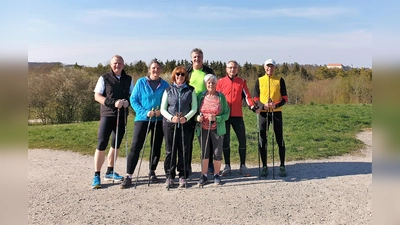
pixel 303 172
pixel 295 173
pixel 311 171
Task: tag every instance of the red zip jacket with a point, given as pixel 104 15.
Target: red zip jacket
pixel 235 90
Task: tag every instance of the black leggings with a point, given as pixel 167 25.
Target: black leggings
pixel 240 131
pixel 139 135
pixel 265 120
pixel 107 127
pixel 183 165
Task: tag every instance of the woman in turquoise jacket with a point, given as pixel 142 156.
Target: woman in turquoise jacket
pixel 214 111
pixel 145 101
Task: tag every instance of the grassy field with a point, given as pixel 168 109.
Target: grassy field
pixel 310 132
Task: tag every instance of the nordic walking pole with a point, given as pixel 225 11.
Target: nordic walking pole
pixel 152 149
pixel 205 147
pixel 273 149
pixel 259 147
pixel 116 144
pixel 144 144
pixel 172 154
pixel 201 146
pixel 182 136
pixel 272 123
pixel 184 152
pixel 126 135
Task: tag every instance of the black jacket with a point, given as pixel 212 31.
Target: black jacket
pixel 115 89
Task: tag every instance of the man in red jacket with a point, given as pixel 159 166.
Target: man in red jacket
pixel 235 89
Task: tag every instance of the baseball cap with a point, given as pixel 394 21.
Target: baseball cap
pixel 269 61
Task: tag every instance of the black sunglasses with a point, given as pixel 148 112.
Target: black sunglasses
pixel 179 74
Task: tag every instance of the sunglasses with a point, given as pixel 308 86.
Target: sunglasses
pixel 180 74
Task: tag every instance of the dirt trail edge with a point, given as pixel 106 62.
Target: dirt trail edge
pixel 337 190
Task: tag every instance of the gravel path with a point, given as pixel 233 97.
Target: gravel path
pixel 337 190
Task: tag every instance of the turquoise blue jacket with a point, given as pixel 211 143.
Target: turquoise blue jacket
pixel 143 98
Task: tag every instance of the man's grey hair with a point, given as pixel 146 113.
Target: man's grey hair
pixel 196 50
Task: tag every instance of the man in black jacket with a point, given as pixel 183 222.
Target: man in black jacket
pixel 112 91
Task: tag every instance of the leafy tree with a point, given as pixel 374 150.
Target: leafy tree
pixel 61 95
pixel 296 67
pixel 76 66
pixel 169 66
pixel 304 74
pixel 324 73
pixel 284 69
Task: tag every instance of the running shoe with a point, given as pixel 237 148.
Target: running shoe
pixel 226 171
pixel 282 171
pixel 182 182
pixel 96 184
pixel 264 171
pixel 203 180
pixel 116 176
pixel 169 183
pixel 244 171
pixel 153 177
pixel 126 183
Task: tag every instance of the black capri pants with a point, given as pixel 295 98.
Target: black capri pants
pixel 107 127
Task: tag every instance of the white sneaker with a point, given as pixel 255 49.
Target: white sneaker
pixel 244 171
pixel 226 171
pixel 169 183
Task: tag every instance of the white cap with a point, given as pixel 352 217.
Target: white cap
pixel 269 61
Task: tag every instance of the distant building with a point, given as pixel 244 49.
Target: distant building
pixel 335 66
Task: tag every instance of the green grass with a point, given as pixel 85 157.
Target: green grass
pixel 310 132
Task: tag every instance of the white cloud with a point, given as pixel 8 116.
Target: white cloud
pixel 95 15
pixel 242 13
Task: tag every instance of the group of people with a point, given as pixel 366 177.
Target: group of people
pixel 193 102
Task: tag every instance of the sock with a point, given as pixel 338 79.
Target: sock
pixel 97 173
pixel 109 170
pixel 205 175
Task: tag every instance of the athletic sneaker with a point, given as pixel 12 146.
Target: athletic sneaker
pixel 126 183
pixel 153 177
pixel 182 182
pixel 282 171
pixel 96 182
pixel 203 180
pixel 264 171
pixel 217 179
pixel 116 177
pixel 226 171
pixel 169 182
pixel 244 171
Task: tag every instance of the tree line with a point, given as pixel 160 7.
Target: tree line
pixel 61 93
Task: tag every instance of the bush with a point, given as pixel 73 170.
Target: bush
pixel 63 95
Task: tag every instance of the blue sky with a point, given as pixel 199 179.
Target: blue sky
pixel 308 32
